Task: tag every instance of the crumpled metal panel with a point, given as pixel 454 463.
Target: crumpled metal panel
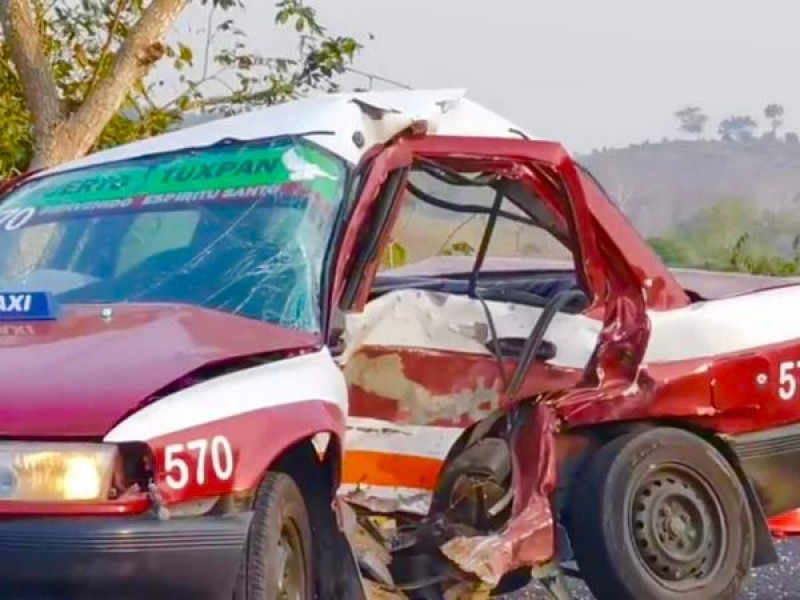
pixel 529 537
pixel 452 388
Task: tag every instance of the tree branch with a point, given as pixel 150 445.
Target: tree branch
pixel 209 39
pixel 33 67
pixel 196 85
pixel 112 27
pixel 141 50
pixel 234 97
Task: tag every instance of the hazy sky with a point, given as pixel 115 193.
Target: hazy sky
pixel 587 72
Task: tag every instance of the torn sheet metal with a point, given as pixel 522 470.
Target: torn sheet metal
pixel 372 555
pixel 528 539
pixel 716 327
pixel 696 389
pixel 387 499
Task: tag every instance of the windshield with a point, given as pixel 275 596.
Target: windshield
pixel 241 228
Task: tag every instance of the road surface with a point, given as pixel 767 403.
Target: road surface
pixel 775 582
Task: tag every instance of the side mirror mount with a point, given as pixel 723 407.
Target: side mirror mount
pixel 335 340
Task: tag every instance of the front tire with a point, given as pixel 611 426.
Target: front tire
pixel 277 563
pixel 660 514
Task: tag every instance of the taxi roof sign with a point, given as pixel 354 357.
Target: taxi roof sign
pixel 27 306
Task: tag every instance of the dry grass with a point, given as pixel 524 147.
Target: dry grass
pixel 423 236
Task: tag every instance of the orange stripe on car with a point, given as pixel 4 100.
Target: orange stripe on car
pixel 389 469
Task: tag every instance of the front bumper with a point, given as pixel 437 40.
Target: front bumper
pixel 121 557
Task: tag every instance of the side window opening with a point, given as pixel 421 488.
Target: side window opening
pixel 468 234
pixel 440 220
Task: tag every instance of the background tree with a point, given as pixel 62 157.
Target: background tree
pixel 734 235
pixel 75 76
pixel 692 120
pixel 774 113
pixel 738 129
pixel 672 251
pixel 743 259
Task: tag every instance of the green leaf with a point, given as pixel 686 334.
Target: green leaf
pixel 394 256
pixel 185 53
pixel 459 249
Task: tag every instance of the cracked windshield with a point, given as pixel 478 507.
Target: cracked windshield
pixel 240 228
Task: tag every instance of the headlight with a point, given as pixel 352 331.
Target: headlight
pixel 34 472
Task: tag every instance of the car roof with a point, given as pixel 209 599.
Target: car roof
pixel 337 122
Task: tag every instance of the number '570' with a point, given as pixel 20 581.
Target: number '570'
pixel 787 379
pixel 217 452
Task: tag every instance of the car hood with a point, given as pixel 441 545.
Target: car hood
pixel 78 376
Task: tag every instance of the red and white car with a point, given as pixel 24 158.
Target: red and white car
pixel 213 387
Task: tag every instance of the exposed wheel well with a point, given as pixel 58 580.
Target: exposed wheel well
pixel 496 426
pixel 491 426
pixel 318 477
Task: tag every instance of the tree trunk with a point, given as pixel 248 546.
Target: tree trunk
pixel 25 43
pixel 59 137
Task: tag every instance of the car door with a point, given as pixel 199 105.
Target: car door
pixel 425 363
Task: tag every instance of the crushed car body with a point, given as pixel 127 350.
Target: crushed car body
pixel 206 333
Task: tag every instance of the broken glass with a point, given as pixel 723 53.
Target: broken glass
pixel 239 227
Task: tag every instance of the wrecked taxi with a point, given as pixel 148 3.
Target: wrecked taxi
pixel 379 345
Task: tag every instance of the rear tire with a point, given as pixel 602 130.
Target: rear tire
pixel 660 514
pixel 277 563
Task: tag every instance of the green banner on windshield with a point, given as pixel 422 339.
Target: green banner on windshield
pixel 207 171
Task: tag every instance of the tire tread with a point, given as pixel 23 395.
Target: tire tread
pixel 601 560
pixel 276 489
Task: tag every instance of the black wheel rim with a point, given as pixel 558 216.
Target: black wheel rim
pixel 291 567
pixel 677 527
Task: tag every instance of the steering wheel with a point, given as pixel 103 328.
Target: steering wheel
pixel 536 338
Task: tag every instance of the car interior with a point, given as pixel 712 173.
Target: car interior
pixel 471 248
pixel 477 217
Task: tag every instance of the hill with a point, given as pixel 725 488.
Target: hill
pixel 665 186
